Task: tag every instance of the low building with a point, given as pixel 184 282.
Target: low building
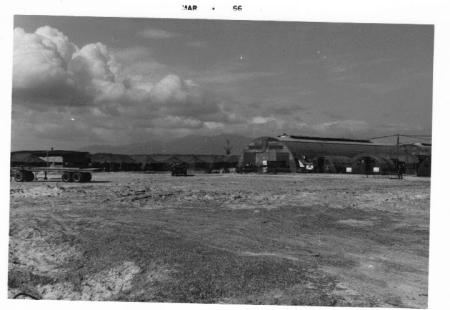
pixel 331 155
pixel 114 162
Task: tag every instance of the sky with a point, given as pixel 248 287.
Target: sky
pixel 79 81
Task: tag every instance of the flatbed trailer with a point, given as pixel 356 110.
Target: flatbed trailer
pixel 68 174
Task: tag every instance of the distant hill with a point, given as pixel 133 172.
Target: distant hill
pixel 191 144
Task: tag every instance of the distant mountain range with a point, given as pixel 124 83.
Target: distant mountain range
pixel 191 144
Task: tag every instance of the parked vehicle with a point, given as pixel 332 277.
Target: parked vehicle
pixel 179 169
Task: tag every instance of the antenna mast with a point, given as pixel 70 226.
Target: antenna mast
pixel 228 147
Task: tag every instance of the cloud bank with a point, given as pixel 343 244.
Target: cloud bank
pixel 96 94
pixel 53 75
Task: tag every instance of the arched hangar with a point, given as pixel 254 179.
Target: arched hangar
pixel 288 153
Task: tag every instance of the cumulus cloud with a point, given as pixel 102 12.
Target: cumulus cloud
pixel 64 47
pixel 50 72
pixel 40 61
pixel 170 89
pixel 95 94
pixel 48 66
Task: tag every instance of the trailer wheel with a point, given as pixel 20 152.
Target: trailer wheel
pixel 28 176
pixel 66 177
pixel 77 177
pixel 19 176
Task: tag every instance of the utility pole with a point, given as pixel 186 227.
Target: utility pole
pixel 398 150
pixel 228 148
pixel 399 168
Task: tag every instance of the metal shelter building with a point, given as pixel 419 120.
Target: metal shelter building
pixel 288 153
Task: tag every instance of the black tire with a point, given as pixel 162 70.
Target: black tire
pixel 77 177
pixel 19 176
pixel 29 176
pixel 66 177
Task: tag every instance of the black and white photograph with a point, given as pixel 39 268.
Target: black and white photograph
pixel 220 161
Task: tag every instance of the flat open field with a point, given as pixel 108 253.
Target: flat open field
pixel 297 239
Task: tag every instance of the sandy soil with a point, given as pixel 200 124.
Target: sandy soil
pixel 300 239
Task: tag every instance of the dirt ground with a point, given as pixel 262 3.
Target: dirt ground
pixel 298 239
